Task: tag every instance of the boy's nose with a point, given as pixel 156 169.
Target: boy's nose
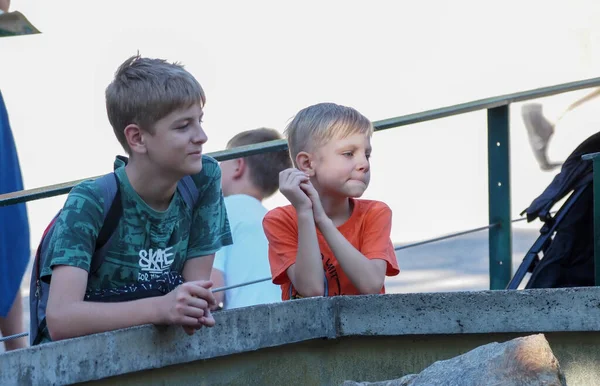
pixel 363 164
pixel 200 136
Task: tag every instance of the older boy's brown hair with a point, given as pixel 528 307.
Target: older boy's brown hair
pixel 145 90
pixel 265 167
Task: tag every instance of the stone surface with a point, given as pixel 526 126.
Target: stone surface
pixel 254 328
pixel 526 361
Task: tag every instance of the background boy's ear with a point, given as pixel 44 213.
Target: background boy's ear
pixel 135 138
pixel 304 162
pixel 239 167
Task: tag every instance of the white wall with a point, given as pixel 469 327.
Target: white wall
pixel 261 61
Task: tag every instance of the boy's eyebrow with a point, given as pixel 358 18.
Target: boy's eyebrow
pixel 187 118
pixel 368 149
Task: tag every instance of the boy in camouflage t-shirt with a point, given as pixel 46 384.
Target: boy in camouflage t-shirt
pixel 155 109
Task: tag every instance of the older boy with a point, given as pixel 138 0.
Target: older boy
pixel 246 182
pixel 328 242
pixel 155 109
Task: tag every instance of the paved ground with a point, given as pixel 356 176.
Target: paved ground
pixel 459 264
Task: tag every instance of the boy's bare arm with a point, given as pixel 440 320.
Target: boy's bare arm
pixel 367 275
pixel 198 268
pixel 69 316
pixel 307 273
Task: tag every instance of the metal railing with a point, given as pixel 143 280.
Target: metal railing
pixel 397 248
pixel 500 229
pixel 500 239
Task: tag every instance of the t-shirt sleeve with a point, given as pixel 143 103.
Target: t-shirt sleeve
pixel 376 242
pixel 76 229
pixel 282 233
pixel 210 226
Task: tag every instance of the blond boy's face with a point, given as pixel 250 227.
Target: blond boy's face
pixel 342 167
pixel 176 144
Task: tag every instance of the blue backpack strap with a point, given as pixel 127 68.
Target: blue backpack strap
pixel 113 211
pixel 189 191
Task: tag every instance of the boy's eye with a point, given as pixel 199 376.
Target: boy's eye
pixel 348 154
pixel 183 127
pixel 368 156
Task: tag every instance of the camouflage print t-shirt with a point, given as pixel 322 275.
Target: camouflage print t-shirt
pixel 146 243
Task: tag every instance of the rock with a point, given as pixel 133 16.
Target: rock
pixel 518 362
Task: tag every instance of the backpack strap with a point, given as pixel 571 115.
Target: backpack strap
pixel 189 191
pixel 113 211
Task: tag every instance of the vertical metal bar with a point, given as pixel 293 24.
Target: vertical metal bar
pixel 500 238
pixel 597 218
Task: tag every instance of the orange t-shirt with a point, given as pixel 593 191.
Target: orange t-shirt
pixel 368 230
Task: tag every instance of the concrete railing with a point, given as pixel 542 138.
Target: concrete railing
pixel 296 342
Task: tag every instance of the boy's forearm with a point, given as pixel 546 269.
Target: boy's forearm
pixel 364 273
pixel 85 318
pixel 309 266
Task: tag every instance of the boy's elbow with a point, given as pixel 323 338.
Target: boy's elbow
pixel 372 288
pixel 56 324
pixel 312 290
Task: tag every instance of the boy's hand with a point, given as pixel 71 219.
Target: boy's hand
pixel 188 306
pixel 318 211
pixel 289 185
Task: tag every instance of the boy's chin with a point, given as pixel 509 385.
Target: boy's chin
pixel 192 169
pixel 355 193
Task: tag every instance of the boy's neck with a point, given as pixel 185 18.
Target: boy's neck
pixel 248 189
pixel 338 209
pixel 155 189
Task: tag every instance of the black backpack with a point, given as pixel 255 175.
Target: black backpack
pixel 568 259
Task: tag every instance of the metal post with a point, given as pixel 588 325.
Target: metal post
pixel 500 238
pixel 597 217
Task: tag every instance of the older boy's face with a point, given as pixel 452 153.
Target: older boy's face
pixel 342 166
pixel 176 144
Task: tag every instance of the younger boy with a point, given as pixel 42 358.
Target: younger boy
pixel 328 242
pixel 155 109
pixel 246 182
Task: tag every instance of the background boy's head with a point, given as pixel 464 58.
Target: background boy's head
pixel 146 90
pixel 332 144
pixel 255 175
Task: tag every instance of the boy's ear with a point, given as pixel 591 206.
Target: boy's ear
pixel 135 138
pixel 304 162
pixel 239 168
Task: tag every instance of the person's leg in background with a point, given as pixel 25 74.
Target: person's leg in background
pixel 12 324
pixel 540 129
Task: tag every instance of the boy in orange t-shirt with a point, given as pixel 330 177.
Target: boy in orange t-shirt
pixel 328 242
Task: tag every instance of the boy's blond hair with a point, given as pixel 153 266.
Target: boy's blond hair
pixel 315 125
pixel 145 90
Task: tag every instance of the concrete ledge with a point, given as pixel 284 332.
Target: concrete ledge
pixel 540 310
pixel 148 347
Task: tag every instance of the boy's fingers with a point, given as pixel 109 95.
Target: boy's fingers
pixel 202 293
pixel 198 303
pixel 208 322
pixel 205 283
pixel 188 321
pixel 193 312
